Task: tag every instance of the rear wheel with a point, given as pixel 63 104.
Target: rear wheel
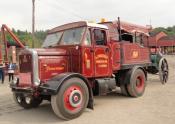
pixel 124 90
pixel 71 99
pixel 26 102
pixel 136 86
pixel 123 82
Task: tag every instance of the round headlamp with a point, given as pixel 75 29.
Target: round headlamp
pixel 15 80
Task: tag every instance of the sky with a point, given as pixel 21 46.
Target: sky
pixel 52 13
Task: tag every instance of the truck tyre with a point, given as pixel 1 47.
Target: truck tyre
pixel 124 90
pixel 136 86
pixel 71 99
pixel 21 100
pixel 124 81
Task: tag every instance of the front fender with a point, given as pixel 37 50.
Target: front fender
pixel 52 86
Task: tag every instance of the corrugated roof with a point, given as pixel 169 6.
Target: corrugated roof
pixel 167 38
pixel 152 34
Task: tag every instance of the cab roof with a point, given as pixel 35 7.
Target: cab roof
pixel 75 25
pixel 129 27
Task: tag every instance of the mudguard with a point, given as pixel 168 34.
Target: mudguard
pixel 52 86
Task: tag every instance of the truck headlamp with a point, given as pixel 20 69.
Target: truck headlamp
pixel 15 80
pixel 37 83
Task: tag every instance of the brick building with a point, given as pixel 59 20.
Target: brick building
pixel 163 42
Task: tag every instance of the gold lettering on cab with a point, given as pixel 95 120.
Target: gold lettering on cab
pixel 88 62
pixel 101 60
pixel 48 68
pixel 102 56
pixel 135 54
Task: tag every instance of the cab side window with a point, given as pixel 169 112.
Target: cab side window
pixel 87 38
pixel 100 37
pixel 139 39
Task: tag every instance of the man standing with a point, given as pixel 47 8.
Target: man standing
pixel 11 70
pixel 2 66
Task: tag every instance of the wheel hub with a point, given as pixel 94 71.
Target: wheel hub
pixel 75 98
pixel 139 83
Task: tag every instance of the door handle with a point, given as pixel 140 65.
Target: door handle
pixel 91 50
pixel 107 50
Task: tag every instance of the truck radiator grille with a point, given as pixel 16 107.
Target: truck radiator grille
pixel 25 63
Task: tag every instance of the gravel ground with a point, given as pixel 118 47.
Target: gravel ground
pixel 156 106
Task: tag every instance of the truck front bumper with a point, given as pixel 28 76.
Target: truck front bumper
pixel 42 90
pixel 24 90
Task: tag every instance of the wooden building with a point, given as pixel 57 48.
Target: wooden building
pixel 163 42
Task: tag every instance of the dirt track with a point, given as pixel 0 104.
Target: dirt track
pixel 156 106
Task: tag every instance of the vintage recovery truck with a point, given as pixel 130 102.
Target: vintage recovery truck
pixel 79 60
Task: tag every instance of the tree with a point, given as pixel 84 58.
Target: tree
pixel 170 31
pixel 26 37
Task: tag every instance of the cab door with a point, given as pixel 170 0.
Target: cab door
pixel 88 55
pixel 101 53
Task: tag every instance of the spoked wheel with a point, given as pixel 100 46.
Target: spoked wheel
pixel 26 102
pixel 163 71
pixel 136 86
pixel 71 99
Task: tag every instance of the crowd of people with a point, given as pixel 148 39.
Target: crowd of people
pixel 7 69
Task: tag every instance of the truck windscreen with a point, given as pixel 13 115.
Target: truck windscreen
pixel 67 37
pixel 72 36
pixel 52 39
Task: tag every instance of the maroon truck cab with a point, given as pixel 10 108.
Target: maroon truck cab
pixel 79 60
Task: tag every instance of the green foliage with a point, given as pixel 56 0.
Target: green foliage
pixel 26 37
pixel 169 30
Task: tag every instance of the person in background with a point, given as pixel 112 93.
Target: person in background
pixel 2 66
pixel 11 70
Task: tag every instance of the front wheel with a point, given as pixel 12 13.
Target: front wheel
pixel 26 102
pixel 71 99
